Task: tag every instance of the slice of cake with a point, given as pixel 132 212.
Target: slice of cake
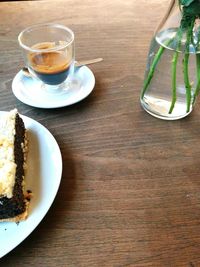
pixel 13 147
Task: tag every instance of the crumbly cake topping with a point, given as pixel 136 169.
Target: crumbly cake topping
pixel 7 160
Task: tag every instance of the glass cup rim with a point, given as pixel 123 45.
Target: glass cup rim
pixel 55 25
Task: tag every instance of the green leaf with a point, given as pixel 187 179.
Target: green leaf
pixel 186 2
pixel 192 10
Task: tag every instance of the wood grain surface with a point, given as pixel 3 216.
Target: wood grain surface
pixel 130 190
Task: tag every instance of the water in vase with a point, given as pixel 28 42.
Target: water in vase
pixel 157 99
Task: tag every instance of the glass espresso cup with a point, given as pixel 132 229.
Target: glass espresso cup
pixel 48 51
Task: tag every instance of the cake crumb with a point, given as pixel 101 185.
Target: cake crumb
pixel 28 195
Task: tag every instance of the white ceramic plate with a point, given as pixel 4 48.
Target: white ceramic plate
pixel 42 178
pixel 28 90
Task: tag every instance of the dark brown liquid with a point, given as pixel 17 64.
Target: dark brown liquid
pixel 51 67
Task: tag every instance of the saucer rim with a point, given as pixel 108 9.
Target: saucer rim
pixel 16 91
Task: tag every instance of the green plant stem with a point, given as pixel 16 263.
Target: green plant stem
pixel 153 66
pixel 186 80
pixel 185 67
pixel 197 88
pixel 174 67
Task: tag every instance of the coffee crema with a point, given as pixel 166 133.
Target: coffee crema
pixel 52 67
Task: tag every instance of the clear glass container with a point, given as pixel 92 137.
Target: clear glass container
pixel 48 51
pixel 172 76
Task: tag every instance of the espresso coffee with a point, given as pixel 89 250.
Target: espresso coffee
pixel 51 67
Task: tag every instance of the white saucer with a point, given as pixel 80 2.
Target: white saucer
pixel 28 90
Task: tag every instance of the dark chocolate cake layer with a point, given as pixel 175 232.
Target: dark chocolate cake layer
pixel 14 206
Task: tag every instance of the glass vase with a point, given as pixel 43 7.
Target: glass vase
pixel 172 76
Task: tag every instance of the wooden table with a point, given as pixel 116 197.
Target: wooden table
pixel 130 190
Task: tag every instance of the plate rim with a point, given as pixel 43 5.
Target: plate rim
pixel 26 101
pixel 35 223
